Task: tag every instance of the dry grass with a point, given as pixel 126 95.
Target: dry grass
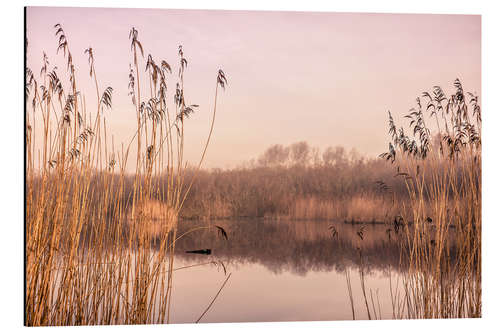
pixel 368 208
pixel 99 247
pixel 346 189
pixel 435 285
pixel 439 223
pixel 100 243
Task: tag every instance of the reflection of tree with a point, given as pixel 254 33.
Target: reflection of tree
pixel 285 247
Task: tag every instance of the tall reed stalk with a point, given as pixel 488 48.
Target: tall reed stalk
pixel 91 257
pixel 445 174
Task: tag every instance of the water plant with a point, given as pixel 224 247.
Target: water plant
pixel 91 257
pixel 442 174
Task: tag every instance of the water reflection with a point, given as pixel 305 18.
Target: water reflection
pixel 254 293
pixel 284 271
pixel 298 247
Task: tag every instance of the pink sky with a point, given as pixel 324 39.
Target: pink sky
pixel 326 78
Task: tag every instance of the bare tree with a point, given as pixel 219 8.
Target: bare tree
pixel 301 153
pixel 335 156
pixel 276 155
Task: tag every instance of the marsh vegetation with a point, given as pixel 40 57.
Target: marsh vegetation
pixel 75 181
pixel 101 241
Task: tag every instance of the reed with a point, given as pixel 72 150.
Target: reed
pixel 342 190
pixel 95 253
pixel 443 180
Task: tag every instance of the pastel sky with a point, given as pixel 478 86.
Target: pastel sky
pixel 325 78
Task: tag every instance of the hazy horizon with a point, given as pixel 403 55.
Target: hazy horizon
pixel 321 77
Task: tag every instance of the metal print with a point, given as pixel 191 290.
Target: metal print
pixel 200 166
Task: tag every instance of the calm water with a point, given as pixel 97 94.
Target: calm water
pixel 284 271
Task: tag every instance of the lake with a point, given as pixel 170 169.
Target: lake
pixel 284 271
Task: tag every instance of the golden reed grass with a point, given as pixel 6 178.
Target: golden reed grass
pixel 89 256
pixel 439 224
pixel 339 188
pixel 444 183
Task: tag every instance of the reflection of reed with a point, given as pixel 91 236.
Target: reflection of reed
pixel 349 291
pixel 300 246
pixel 213 300
pixel 362 281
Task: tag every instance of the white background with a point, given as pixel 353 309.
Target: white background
pixel 12 169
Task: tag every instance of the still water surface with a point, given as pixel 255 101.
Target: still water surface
pixel 284 271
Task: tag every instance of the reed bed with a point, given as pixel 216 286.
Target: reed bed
pixel 446 174
pixel 95 253
pixel 356 209
pixel 332 190
pixel 341 188
pixel 346 189
pixel 100 242
pixel 438 226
